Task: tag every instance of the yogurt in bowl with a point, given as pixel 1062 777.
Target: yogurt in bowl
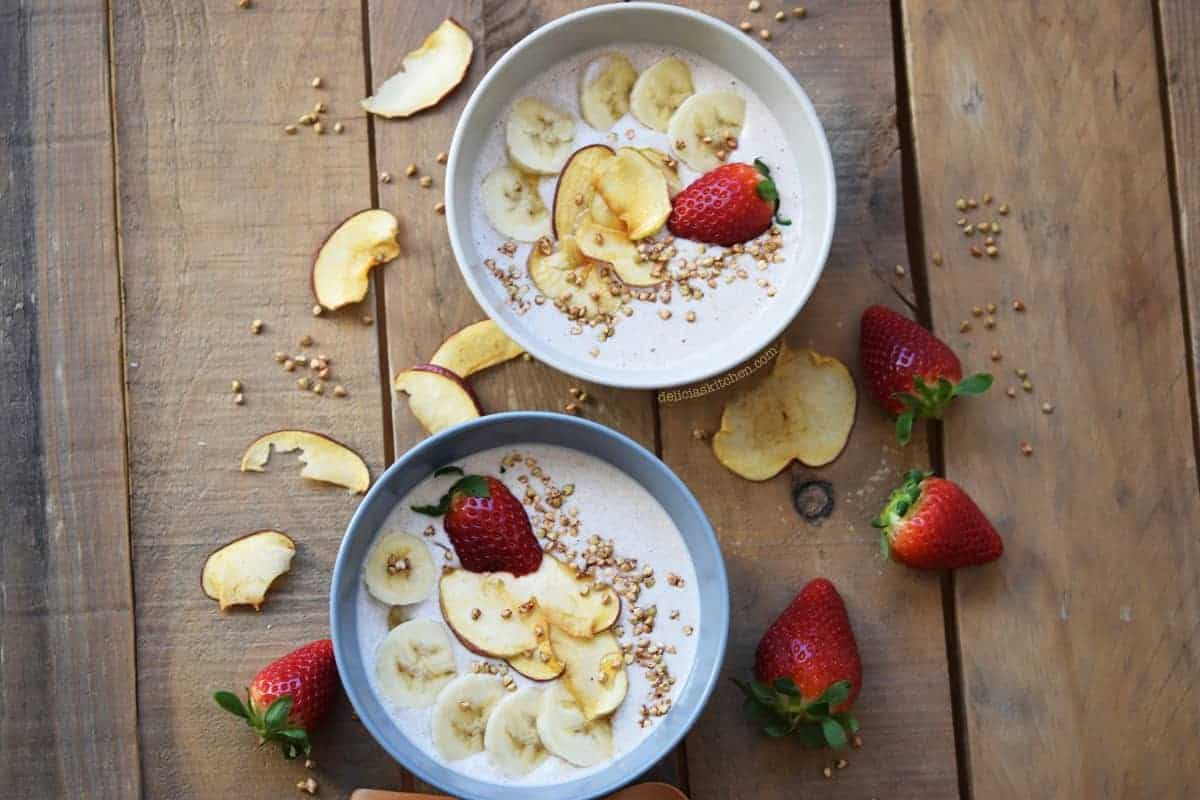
pixel 585 271
pixel 642 573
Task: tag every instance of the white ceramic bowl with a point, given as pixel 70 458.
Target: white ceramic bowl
pixel 622 24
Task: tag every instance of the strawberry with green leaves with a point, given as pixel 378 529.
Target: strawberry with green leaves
pixel 487 525
pixel 911 372
pixel 807 671
pixel 289 697
pixel 931 523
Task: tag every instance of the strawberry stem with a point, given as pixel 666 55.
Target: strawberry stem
pixel 899 503
pixel 271 726
pixel 470 485
pixel 782 711
pixel 930 402
pixel 768 191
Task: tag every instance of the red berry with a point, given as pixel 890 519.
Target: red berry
pixel 931 523
pixel 910 371
pixel 812 643
pixel 306 679
pixel 488 527
pixel 728 205
pixel 808 670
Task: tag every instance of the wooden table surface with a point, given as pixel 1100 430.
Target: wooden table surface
pixel 151 206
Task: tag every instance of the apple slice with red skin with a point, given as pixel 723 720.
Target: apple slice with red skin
pixel 362 242
pixel 438 398
pixel 427 74
pixel 475 348
pixel 325 459
pixel 575 190
pixel 241 572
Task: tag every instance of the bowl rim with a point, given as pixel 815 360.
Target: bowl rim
pixel 605 783
pixel 627 379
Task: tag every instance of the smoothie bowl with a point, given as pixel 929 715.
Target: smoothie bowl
pixel 640 195
pixel 529 606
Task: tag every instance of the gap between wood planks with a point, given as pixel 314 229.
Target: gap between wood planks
pixel 1177 215
pixel 919 269
pixel 385 374
pixel 407 783
pixel 122 354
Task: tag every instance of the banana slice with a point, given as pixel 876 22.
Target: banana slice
pixel 511 735
pixel 704 124
pixel 461 713
pixel 659 91
pixel 566 733
pixel 540 137
pixel 571 281
pixel 604 90
pixel 514 206
pixel 399 570
pixel 414 662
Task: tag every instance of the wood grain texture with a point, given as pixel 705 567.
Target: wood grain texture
pixel 1179 35
pixel 426 297
pixel 221 213
pixel 67 683
pixel 1079 648
pixel 842 55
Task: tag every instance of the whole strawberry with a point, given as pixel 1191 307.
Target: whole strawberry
pixel 931 523
pixel 488 527
pixel 807 670
pixel 728 205
pixel 289 697
pixel 911 372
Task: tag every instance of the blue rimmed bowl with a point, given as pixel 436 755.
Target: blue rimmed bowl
pixel 500 430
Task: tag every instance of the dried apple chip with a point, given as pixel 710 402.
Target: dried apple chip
pixel 438 398
pixel 324 459
pixel 803 410
pixel 426 75
pixel 636 191
pixel 475 348
pixel 355 247
pixel 241 572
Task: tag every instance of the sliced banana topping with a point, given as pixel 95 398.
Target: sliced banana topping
pixel 514 206
pixel 414 661
pixel 399 570
pixel 511 736
pixel 604 90
pixel 461 713
pixel 568 734
pixel 659 91
pixel 706 126
pixel 540 137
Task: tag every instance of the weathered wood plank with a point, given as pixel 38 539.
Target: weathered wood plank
pixel 1179 37
pixel 68 719
pixel 221 212
pixel 426 298
pixel 1079 666
pixel 842 54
